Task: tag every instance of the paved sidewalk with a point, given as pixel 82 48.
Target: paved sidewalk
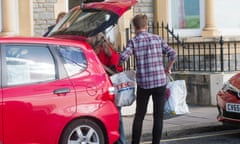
pixel 200 117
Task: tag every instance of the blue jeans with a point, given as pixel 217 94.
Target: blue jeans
pixel 122 138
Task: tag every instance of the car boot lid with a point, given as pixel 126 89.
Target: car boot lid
pixel 92 18
pixel 117 6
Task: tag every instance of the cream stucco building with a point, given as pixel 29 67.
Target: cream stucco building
pixel 32 17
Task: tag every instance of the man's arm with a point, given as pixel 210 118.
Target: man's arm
pixel 169 67
pixel 126 53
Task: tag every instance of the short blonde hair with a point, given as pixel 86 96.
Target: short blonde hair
pixel 140 21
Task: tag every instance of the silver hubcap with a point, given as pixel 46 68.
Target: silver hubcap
pixel 83 135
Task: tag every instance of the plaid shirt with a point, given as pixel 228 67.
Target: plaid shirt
pixel 149 50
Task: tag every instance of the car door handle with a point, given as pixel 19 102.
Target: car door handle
pixel 61 91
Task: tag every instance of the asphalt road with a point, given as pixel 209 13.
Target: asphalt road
pixel 219 136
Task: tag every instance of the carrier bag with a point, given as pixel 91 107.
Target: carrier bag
pixel 176 101
pixel 124 83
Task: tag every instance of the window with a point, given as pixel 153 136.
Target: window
pixel 28 64
pixel 187 17
pixel 84 23
pixel 74 59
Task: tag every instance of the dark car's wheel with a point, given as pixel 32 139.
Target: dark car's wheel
pixel 83 131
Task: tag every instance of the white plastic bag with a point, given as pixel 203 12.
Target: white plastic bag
pixel 176 102
pixel 124 83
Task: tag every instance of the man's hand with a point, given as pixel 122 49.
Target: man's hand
pixel 169 67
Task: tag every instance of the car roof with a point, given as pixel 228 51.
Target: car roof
pixel 42 40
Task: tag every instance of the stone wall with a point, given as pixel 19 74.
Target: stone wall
pixel 203 87
pixel 144 6
pixel 198 88
pixel 43 15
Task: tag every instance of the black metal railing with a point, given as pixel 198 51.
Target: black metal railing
pixel 214 55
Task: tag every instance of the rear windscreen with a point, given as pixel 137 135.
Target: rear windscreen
pixel 84 23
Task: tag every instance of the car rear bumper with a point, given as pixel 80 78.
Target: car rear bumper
pixel 225 116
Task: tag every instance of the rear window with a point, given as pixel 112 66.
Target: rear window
pixel 84 23
pixel 74 59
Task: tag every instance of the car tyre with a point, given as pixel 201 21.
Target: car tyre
pixel 83 131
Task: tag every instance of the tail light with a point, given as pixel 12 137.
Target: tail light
pixel 111 90
pixel 109 94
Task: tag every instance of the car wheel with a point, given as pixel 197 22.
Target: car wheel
pixel 83 131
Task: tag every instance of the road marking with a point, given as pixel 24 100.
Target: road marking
pixel 226 132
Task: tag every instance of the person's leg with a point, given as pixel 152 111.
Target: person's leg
pixel 141 107
pixel 158 96
pixel 122 138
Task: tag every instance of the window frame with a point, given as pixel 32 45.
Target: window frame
pixel 4 64
pixel 188 32
pixel 63 60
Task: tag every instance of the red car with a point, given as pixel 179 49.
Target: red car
pixel 55 90
pixel 228 101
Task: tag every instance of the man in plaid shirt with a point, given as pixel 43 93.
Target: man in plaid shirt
pixel 149 50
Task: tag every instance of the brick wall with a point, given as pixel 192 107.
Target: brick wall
pixel 43 15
